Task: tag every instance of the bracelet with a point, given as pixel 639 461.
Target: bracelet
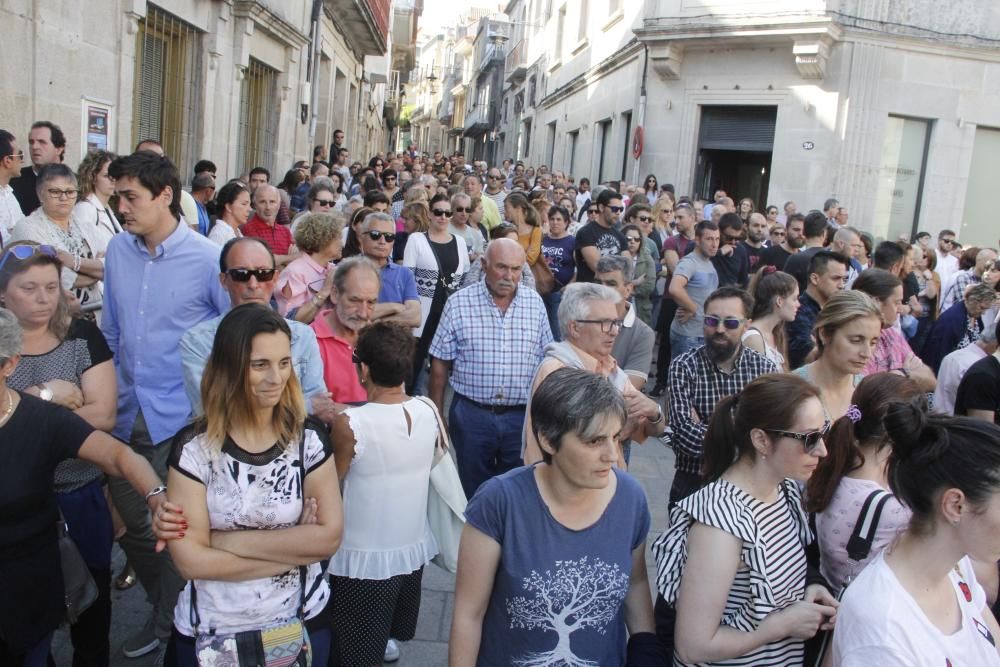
pixel 659 418
pixel 76 263
pixel 155 492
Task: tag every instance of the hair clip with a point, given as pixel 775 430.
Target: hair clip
pixel 853 413
pixel 769 269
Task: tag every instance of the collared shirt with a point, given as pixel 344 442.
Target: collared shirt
pixel 398 284
pixel 950 375
pixel 196 346
pixel 800 341
pixel 339 373
pixel 697 383
pixel 891 352
pixel 10 212
pixel 956 290
pixel 494 353
pixel 633 348
pixel 277 237
pixel 204 223
pixel 150 301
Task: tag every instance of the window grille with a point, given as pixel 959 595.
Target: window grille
pixel 258 122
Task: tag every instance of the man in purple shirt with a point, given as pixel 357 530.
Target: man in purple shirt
pixel 397 299
pixel 159 281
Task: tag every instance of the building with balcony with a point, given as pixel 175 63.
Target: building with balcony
pixel 241 82
pixel 482 105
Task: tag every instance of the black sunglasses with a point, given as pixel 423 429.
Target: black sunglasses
pixel 325 202
pixel 23 252
pixel 810 441
pixel 441 211
pixel 388 236
pixel 591 211
pixel 617 209
pixel 244 275
pixel 462 209
pixel 731 323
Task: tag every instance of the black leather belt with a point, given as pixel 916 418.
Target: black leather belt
pixel 495 409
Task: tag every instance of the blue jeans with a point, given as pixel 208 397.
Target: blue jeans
pixel 552 301
pixel 680 344
pixel 486 443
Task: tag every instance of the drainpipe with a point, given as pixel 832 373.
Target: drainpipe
pixel 312 74
pixel 642 112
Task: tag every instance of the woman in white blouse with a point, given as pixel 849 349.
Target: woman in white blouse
pixel 233 204
pixel 384 452
pixel 93 208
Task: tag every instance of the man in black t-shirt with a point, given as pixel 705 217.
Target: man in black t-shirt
pixel 599 238
pixel 978 393
pixel 776 256
pixel 755 242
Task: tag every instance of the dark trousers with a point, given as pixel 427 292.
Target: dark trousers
pixel 664 614
pixel 486 443
pixel 668 309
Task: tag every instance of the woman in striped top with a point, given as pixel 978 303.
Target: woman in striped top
pixel 735 550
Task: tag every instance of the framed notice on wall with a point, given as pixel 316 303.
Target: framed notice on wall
pixel 95 124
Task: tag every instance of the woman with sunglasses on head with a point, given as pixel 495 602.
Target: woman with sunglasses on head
pixel 736 549
pixel 36 437
pixel 67 362
pixel 318 239
pixel 846 333
pixel 439 261
pixel 53 224
pixel 233 204
pixel 255 508
pixel 918 603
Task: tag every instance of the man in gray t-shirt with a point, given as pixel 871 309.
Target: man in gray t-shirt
pixel 694 279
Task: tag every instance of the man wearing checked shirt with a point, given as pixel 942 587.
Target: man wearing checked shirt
pixel 491 338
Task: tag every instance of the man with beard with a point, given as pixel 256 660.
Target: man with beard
pixel 701 377
pixel 777 255
pixel 354 296
pixel 827 276
pixel 753 244
pixel 814 232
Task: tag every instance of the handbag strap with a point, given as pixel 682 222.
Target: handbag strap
pixel 443 442
pixel 860 543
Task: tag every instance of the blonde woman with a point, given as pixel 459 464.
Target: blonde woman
pixel 256 502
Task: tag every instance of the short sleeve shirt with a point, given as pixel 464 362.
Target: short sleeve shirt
pixel 980 388
pixel 559 594
pixel 558 255
pixel 702 280
pixel 277 237
pixel 251 491
pixel 608 242
pixel 398 285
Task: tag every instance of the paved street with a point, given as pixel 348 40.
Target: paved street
pixel 652 464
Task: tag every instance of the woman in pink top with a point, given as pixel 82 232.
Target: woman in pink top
pixel 318 238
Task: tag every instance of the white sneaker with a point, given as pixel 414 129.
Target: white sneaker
pixel 391 651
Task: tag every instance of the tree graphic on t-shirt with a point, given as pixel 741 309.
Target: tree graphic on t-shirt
pixel 578 594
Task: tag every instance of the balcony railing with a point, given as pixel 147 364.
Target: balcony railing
pixel 516 64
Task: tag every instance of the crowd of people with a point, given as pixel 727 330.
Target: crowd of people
pixel 248 386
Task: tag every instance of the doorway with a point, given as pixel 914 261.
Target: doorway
pixel 734 152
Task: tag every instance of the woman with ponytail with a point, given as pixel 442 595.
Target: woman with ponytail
pixel 855 466
pixel 775 303
pixel 736 549
pixel 918 602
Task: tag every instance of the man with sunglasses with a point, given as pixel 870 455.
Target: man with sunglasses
pixel 947 263
pixel 701 377
pixel 398 300
pixel 495 187
pixel 600 236
pixel 11 158
pixel 461 209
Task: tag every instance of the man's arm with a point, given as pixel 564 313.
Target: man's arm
pixel 408 314
pixel 800 342
pixel 678 290
pixel 689 432
pixel 440 370
pixel 195 350
pixel 591 255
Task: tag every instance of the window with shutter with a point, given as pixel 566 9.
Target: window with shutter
pixel 258 117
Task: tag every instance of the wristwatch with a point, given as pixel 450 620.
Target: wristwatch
pixel 44 392
pixel 155 492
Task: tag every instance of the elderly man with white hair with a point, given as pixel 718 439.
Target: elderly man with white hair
pixel 589 322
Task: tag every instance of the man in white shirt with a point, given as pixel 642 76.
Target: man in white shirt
pixel 954 366
pixel 11 158
pixel 947 264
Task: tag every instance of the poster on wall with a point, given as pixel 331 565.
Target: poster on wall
pixel 96 126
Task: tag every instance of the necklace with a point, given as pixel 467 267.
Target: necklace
pixel 10 407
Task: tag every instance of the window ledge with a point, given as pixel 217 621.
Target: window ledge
pixel 580 46
pixel 613 19
pixel 554 66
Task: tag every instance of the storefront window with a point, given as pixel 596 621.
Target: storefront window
pixel 978 227
pixel 901 177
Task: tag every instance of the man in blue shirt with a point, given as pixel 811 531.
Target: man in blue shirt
pixel 397 298
pixel 202 191
pixel 159 281
pixel 249 275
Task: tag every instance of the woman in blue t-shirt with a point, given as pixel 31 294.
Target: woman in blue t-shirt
pixel 552 567
pixel 557 249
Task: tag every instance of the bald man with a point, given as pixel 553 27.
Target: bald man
pixel 263 225
pixel 491 338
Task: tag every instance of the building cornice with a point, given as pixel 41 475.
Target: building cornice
pixel 616 60
pixel 270 22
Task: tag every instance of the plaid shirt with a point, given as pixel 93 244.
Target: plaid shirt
pixel 697 383
pixel 956 291
pixel 494 354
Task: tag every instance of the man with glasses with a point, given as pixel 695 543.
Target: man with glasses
pixel 600 236
pixel 203 190
pixel 699 378
pixel 732 264
pixel 11 158
pixel 398 300
pixel 47 145
pixel 495 188
pixel 947 263
pixel 461 209
pixel 159 282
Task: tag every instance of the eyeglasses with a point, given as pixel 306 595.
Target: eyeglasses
pixel 948 241
pixel 244 275
pixel 645 218
pixel 633 239
pixel 388 236
pixel 18 155
pixel 606 325
pixel 390 178
pixel 325 202
pixel 810 441
pixel 23 252
pixel 617 209
pixel 62 194
pixel 591 211
pixel 731 323
pixel 494 178
pixel 462 209
pixel 441 211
